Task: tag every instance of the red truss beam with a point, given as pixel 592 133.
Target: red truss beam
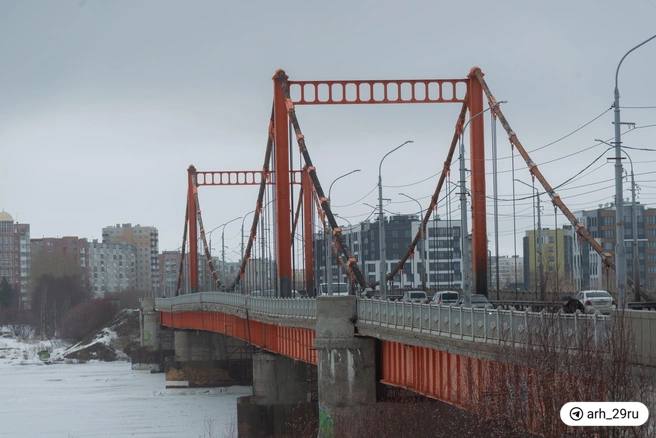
pixel 294 342
pixel 241 177
pixel 378 91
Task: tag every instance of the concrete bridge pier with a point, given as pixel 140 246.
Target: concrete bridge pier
pixel 283 400
pixel 205 359
pixel 156 342
pixel 346 364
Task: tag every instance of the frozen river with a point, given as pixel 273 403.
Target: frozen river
pixel 108 400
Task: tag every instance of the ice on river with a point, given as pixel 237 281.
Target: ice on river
pixel 108 399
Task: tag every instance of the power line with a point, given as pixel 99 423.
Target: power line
pixel 355 202
pixel 569 134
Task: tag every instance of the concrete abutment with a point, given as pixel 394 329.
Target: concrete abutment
pixel 205 359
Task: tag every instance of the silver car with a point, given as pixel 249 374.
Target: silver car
pixel 415 296
pixel 445 297
pixel 596 301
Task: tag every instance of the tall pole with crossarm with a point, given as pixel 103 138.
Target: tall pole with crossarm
pixel 620 253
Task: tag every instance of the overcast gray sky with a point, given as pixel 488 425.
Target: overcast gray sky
pixel 104 104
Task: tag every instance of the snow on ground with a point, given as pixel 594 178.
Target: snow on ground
pixel 108 399
pixel 26 351
pixel 104 337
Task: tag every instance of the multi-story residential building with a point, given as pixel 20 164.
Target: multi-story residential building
pixel 15 258
pixel 601 224
pixel 511 272
pixel 112 267
pixel 557 265
pixel 169 266
pixel 145 241
pixel 68 255
pixel 443 255
pixel 587 265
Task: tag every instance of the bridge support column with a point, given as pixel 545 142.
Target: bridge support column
pixel 150 324
pixel 204 359
pixel 283 390
pixel 156 342
pixel 346 364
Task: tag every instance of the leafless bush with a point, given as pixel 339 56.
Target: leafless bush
pixel 84 319
pixel 127 299
pixel 526 388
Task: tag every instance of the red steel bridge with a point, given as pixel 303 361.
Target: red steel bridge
pixel 442 352
pixel 291 197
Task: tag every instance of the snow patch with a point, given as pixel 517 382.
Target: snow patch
pixel 25 351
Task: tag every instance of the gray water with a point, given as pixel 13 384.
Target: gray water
pixel 108 400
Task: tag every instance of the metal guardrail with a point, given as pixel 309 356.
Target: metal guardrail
pixel 478 324
pixel 496 326
pixel 302 308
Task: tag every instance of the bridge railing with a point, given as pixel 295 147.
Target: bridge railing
pixel 483 325
pixel 301 308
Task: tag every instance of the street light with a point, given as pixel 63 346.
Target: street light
pixel 222 226
pixel 381 223
pixel 422 240
pixel 330 188
pixel 634 226
pixel 620 256
pixel 538 245
pixel 328 239
pixel 466 287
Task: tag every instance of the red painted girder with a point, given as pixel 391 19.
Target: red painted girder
pixel 378 91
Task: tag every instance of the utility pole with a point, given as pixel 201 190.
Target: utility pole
pixel 634 232
pixel 620 255
pixel 540 254
pixel 493 125
pixel 465 268
pixel 634 226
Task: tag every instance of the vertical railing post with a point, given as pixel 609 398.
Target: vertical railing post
pixel 461 324
pixel 430 318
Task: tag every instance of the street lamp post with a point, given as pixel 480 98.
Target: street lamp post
pixel 465 265
pixel 381 224
pixel 223 267
pixel 539 236
pixel 620 255
pixel 222 241
pixel 634 226
pixel 423 259
pixel 328 239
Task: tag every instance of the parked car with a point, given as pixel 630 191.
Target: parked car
pixel 335 289
pixel 596 301
pixel 445 297
pixel 415 296
pixel 478 301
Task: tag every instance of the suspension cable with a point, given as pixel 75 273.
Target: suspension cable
pixel 258 203
pixel 535 171
pixel 445 170
pixel 325 205
pixel 182 250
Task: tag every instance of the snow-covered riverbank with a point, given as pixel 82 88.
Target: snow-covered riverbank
pixel 102 399
pixel 14 351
